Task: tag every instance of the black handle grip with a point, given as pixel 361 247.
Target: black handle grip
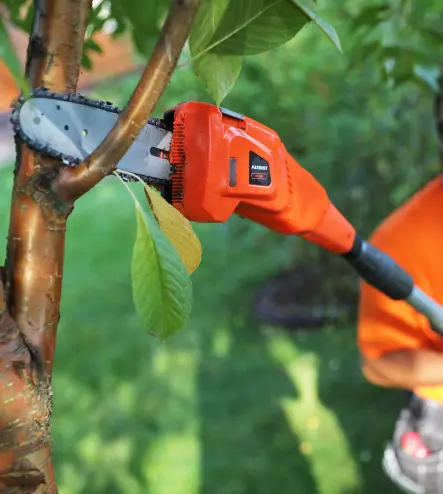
pixel 379 270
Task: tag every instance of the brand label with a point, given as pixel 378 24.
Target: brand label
pixel 259 172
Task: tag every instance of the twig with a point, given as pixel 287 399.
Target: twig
pixel 72 183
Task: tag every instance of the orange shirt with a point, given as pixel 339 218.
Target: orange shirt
pixel 413 236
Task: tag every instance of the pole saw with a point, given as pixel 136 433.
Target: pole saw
pixel 210 163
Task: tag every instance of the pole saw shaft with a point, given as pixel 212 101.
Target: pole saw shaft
pixel 383 273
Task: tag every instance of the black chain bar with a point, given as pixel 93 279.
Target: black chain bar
pixel 81 100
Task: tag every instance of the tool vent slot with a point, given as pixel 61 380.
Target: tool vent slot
pixel 178 158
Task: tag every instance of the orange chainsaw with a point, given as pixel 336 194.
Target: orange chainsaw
pixel 210 163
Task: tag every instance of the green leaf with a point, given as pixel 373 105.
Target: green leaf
pixel 9 57
pixel 144 17
pixel 20 13
pixel 226 30
pixel 245 27
pixel 86 61
pixel 324 26
pixel 161 285
pixel 91 45
pixel 88 46
pixel 370 16
pixel 219 73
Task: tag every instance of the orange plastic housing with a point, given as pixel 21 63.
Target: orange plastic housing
pixel 226 163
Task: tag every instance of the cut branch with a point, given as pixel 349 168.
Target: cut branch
pixel 72 183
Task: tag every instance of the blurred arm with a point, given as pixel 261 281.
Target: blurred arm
pixel 398 346
pixel 409 369
pixel 395 341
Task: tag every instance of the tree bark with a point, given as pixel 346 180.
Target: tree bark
pixel 30 300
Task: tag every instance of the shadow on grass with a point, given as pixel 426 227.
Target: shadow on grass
pixel 199 414
pixel 248 446
pixel 221 408
pixel 366 414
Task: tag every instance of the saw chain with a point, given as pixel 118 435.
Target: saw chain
pixel 80 99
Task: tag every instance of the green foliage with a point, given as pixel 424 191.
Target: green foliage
pixel 9 57
pixel 161 285
pixel 218 70
pixel 88 46
pixel 141 18
pixel 21 12
pixel 227 30
pixel 224 32
pixel 328 30
pixel 404 37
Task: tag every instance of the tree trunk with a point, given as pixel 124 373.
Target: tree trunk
pixel 42 199
pixel 31 281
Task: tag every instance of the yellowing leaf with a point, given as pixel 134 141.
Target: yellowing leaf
pixel 177 229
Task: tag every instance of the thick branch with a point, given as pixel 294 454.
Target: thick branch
pixel 74 182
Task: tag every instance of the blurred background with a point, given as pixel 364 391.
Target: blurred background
pixel 259 394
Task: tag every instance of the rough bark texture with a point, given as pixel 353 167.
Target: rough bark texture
pixel 29 309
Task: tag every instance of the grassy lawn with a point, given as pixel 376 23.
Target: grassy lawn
pixel 225 407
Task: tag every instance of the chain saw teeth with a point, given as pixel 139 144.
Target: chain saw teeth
pixel 80 99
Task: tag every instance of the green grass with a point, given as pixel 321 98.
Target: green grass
pixel 225 407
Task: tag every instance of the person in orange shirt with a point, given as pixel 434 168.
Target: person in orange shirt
pixel 398 346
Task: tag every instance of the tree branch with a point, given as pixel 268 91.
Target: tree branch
pixel 72 183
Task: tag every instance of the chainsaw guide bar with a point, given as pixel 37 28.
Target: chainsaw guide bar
pixel 141 159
